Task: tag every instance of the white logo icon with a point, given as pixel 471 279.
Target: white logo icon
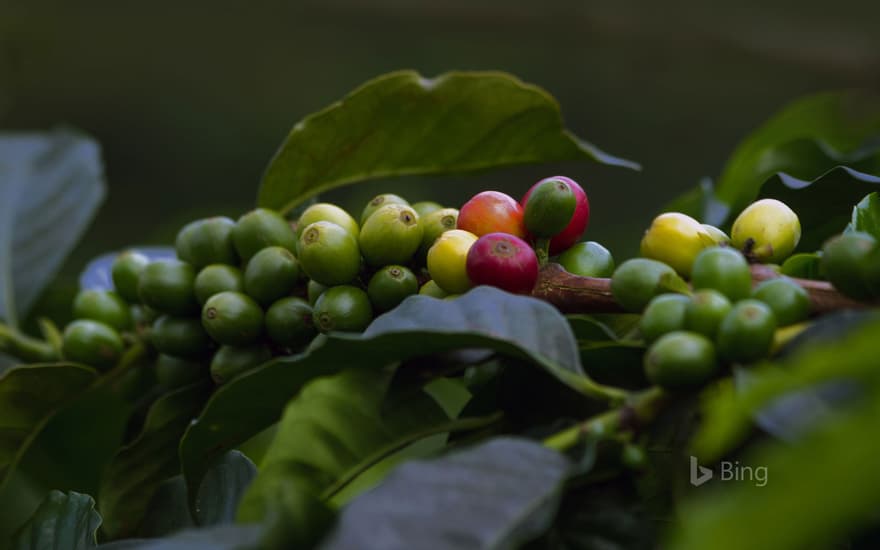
pixel 699 474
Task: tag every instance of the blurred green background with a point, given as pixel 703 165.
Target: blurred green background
pixel 190 100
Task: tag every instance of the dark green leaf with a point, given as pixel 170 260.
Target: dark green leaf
pixel 222 489
pixel 97 276
pixel 866 215
pixel 805 266
pixel 483 318
pixel 137 470
pixel 168 510
pixel 404 124
pixel 806 138
pixel 220 537
pixel 497 495
pixel 64 521
pixel 824 204
pixel 50 188
pixel 29 396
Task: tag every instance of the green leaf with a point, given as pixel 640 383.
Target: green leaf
pixel 483 318
pixel 64 521
pixel 29 397
pixel 806 138
pixel 138 468
pixel 825 486
pixel 168 510
pixel 499 494
pixel 866 215
pixel 404 124
pixel 220 537
pixel 51 186
pixel 222 489
pixel 824 204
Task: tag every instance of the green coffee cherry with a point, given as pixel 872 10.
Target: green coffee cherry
pixel 390 285
pixel 664 314
pixel 289 323
pixel 92 343
pixel 271 274
pixel 142 317
pixel 587 259
pixel 105 306
pixel 549 208
pixel 746 333
pixel 638 280
pixel 433 225
pixel 259 229
pixel 329 254
pixel 174 372
pixel 433 290
pixel 343 308
pixel 326 212
pixel 182 337
pixel 423 208
pixel 168 286
pixel 845 261
pixel 206 242
pixel 723 269
pixel 788 300
pixel 230 362
pixel 215 279
pixel 233 319
pixel 706 310
pixel 681 359
pixel 126 272
pixel 391 235
pixel 313 290
pixel 378 202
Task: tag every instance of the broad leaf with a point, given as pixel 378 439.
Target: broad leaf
pixel 220 537
pixel 483 318
pixel 806 138
pixel 404 124
pixel 866 215
pixel 137 470
pixel 335 429
pixel 50 188
pixel 222 489
pixel 168 510
pixel 496 495
pixel 97 276
pixel 64 521
pixel 29 396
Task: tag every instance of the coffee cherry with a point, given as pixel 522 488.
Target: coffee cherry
pixel 675 239
pixel 718 237
pixel 378 202
pixel 182 337
pixel 433 225
pixel 638 280
pixel 92 343
pixel 433 290
pixel 845 261
pixel 329 254
pixel 289 323
pixel 126 272
pixel 391 285
pixel 681 359
pixel 503 261
pixel 313 290
pixel 746 333
pixel 230 361
pixel 326 212
pixel 271 274
pixel 233 319
pixel 104 306
pixel 343 309
pixel 259 229
pixel 767 230
pixel 549 208
pixel 423 208
pixel 208 241
pixel 391 235
pixel 664 314
pixel 215 279
pixel 788 300
pixel 492 212
pixel 579 220
pixel 447 261
pixel 723 269
pixel 174 372
pixel 168 286
pixel 588 259
pixel 706 310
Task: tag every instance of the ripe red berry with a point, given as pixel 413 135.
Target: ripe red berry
pixel 579 220
pixel 492 212
pixel 504 261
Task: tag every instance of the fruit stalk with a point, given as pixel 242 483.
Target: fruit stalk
pixel 25 348
pixel 575 294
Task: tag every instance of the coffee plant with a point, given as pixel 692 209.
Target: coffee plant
pixel 424 375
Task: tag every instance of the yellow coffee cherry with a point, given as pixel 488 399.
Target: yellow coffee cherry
pixel 675 239
pixel 767 230
pixel 447 260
